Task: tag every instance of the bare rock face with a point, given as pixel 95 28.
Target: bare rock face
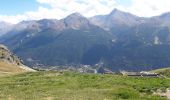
pixel 76 21
pixel 8 57
pixel 116 18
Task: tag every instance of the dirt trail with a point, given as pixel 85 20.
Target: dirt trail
pixel 167 94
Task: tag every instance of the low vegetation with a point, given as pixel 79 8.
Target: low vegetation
pixel 75 86
pixel 8 68
pixel 164 71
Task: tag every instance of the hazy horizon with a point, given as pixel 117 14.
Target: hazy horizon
pixel 19 10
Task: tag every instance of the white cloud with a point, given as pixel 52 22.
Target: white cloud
pixel 85 7
pixel 12 19
pixel 61 8
pixel 147 8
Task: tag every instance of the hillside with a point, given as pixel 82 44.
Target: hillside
pixel 163 71
pixel 7 68
pixel 67 41
pixel 135 44
pixel 75 86
pixel 10 63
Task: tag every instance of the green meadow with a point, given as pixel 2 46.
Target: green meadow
pixel 75 86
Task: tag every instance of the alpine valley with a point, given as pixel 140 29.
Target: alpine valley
pixel 119 40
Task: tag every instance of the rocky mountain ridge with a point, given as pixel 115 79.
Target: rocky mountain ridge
pixel 119 40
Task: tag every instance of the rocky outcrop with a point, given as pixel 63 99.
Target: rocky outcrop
pixel 6 56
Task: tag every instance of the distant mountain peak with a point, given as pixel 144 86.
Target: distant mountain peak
pixel 116 11
pixel 46 20
pixel 76 20
pixel 116 18
pixel 165 15
pixel 119 13
pixel 75 15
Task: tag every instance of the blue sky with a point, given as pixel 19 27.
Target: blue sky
pixel 14 11
pixel 124 2
pixel 12 7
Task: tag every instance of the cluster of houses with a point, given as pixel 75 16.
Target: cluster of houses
pixel 103 70
pixel 140 74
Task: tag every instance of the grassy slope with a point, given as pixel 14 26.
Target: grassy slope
pixel 74 86
pixel 7 68
pixel 164 71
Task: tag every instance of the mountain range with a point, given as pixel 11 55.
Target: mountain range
pixel 119 40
